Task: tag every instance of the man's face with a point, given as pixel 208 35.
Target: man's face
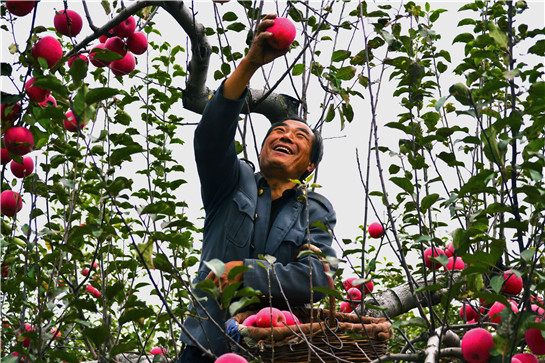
pixel 286 151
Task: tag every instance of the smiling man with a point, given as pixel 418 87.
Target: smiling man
pixel 250 214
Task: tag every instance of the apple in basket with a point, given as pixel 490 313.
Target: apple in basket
pixel 269 316
pixel 291 319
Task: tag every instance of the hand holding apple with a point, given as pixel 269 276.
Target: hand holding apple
pixel 283 33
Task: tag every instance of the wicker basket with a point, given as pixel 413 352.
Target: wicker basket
pixel 333 337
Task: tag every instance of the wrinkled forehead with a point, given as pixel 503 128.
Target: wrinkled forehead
pixel 292 124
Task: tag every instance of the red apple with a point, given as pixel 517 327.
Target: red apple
pixel 126 28
pixel 124 65
pixel 515 360
pixel 353 294
pixel 535 341
pixel 432 252
pixel 50 100
pixel 449 250
pixel 538 310
pixel 5 156
pixel 71 124
pixel 10 112
pixel 20 8
pixel 270 316
pixel 79 56
pixel 345 307
pixel 85 272
pixel 137 43
pixel 376 230
pixel 95 61
pixel 10 203
pixel 18 140
pixel 35 93
pixel 348 283
pixel 455 265
pixel 512 284
pixel 497 308
pixel 526 358
pixel 68 22
pixel 48 48
pixel 27 328
pixel 368 287
pixel 291 319
pixel 56 333
pixel 116 44
pixel 476 345
pixel 103 38
pixel 158 350
pixel 92 290
pixel 230 358
pixel 250 321
pixel 283 33
pixel 470 313
pixel 24 169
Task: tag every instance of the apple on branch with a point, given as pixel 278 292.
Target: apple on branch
pixel 137 43
pixel 10 112
pixel 476 345
pixel 19 7
pixel 24 169
pixel 126 28
pixel 376 230
pixel 10 203
pixel 116 44
pixel 432 252
pixel 79 56
pixel 512 284
pixel 48 48
pixel 18 140
pixel 50 100
pixel 36 93
pixel 68 22
pixel 124 65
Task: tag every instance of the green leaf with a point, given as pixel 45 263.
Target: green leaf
pixel 124 347
pixel 403 183
pixel 124 154
pixel 5 69
pixel 146 249
pixel 298 69
pixel 160 207
pixel 499 36
pixel 98 94
pixel 113 290
pixel 346 73
pixel 235 271
pixel 428 201
pixel 496 283
pixel 78 70
pixel 440 102
pixel 410 322
pixel 135 314
pixel 229 16
pixel 97 335
pixel 528 255
pixel 538 48
pixel 328 291
pixel 161 262
pixel 340 55
pixel 461 93
pixel 216 266
pixel 242 303
pixel 463 38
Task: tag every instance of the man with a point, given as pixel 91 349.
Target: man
pixel 250 214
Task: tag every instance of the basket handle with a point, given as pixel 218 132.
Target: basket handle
pixel 330 283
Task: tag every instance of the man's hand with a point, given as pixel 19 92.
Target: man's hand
pixel 260 53
pixel 223 280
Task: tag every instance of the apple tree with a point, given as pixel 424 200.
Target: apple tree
pixel 99 242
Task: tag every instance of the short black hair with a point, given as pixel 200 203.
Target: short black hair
pixel 317 148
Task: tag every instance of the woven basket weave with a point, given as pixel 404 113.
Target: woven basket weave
pixel 333 337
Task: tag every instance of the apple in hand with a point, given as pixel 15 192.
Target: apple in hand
pixel 124 65
pixel 24 169
pixel 283 33
pixel 432 252
pixel 376 230
pixel 512 284
pixel 35 93
pixel 10 112
pixel 116 44
pixel 18 140
pixel 269 316
pixel 137 43
pixel 48 48
pixel 126 28
pixel 291 319
pixel 476 345
pixel 10 203
pixel 230 358
pixel 20 8
pixel 68 22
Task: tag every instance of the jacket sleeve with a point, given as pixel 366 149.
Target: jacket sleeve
pixel 215 151
pixel 295 277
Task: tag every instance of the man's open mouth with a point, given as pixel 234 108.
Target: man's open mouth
pixel 283 149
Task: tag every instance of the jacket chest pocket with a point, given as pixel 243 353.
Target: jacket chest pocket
pixel 287 251
pixel 239 224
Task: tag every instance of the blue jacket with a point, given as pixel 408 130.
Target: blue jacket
pixel 237 203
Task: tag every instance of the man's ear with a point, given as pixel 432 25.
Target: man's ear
pixel 311 166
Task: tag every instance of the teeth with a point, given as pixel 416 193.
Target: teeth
pixel 283 149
